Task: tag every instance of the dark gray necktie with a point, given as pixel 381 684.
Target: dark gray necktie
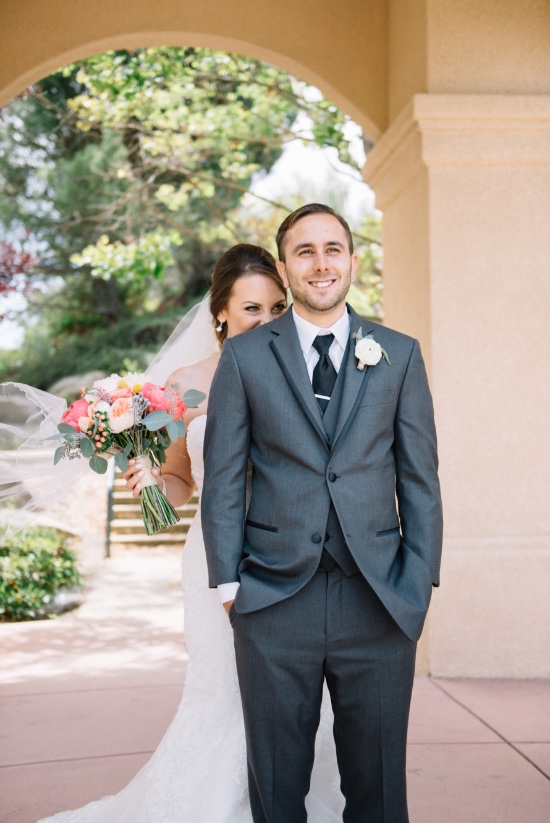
pixel 324 373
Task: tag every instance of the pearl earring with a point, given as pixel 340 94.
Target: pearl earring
pixel 220 327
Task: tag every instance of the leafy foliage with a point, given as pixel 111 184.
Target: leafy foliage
pixel 148 256
pixel 34 565
pixel 128 143
pixel 46 357
pixel 365 295
pixel 128 170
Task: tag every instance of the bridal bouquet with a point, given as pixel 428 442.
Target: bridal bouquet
pixel 128 417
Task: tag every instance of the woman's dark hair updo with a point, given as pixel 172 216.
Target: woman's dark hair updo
pixel 236 262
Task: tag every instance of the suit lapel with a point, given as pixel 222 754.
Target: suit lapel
pixel 355 382
pixel 287 350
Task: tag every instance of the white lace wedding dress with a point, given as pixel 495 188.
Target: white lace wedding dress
pixel 198 772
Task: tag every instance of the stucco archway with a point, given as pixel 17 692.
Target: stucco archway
pixel 456 96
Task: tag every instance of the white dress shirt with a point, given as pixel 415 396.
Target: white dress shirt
pixel 307 332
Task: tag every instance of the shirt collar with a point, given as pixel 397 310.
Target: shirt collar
pixel 307 332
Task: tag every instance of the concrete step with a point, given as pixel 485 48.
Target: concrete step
pixel 127 526
pixel 127 511
pixel 132 527
pixel 162 538
pixel 127 496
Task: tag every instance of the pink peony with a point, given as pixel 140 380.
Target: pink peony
pixel 156 397
pixel 121 415
pixel 75 411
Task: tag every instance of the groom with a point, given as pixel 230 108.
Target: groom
pixel 334 560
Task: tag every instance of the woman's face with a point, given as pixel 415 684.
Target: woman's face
pixel 255 300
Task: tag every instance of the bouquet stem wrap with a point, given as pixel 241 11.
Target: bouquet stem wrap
pixel 158 513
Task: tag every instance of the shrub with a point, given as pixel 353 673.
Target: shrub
pixel 34 565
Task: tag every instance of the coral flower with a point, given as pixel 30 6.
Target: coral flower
pixel 124 392
pixel 75 411
pixel 156 397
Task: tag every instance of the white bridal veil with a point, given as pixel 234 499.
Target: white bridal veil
pixel 28 416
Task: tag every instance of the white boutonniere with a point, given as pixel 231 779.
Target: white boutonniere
pixel 367 351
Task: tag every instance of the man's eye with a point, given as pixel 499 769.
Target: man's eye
pixel 305 251
pixel 333 248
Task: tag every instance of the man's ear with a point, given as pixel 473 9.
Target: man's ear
pixel 281 268
pixel 354 261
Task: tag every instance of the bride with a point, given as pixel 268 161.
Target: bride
pixel 198 772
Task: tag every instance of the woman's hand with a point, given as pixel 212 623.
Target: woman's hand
pixel 134 475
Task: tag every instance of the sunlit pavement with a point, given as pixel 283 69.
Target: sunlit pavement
pixel 85 699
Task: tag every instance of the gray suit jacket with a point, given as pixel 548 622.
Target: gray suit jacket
pixel 380 471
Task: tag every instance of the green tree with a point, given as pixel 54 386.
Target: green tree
pixel 128 170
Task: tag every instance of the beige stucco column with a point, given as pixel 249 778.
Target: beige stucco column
pixel 464 183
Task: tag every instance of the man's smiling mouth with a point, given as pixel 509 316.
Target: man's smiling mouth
pixel 321 284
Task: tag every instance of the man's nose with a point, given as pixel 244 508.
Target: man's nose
pixel 321 262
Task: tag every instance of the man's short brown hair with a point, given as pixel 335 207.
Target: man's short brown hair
pixel 305 211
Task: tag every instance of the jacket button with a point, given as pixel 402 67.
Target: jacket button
pixel 332 477
pixel 316 538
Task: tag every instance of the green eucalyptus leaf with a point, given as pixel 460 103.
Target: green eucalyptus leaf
pixel 121 461
pixel 156 420
pixel 193 398
pixel 86 446
pixel 98 464
pixel 173 430
pixel 64 428
pixel 58 455
pixel 180 425
pixel 59 436
pixel 128 449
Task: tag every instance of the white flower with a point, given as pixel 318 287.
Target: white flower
pixel 134 379
pixel 108 384
pixel 368 352
pixel 102 406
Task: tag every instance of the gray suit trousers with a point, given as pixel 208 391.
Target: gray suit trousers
pixel 334 628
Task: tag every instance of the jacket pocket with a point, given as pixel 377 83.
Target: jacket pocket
pixel 263 526
pixel 387 531
pixel 377 397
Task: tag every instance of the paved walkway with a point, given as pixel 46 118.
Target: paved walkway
pixel 85 699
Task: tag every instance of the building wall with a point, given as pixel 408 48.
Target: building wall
pixel 333 45
pixel 456 94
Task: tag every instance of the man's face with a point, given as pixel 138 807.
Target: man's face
pixel 318 266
